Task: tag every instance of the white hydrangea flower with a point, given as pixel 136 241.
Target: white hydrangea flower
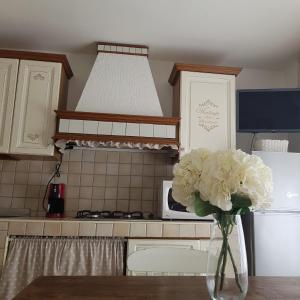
pixel 220 174
pixel 186 175
pixel 257 181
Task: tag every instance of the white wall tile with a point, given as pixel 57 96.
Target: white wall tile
pixel 138 229
pixel 90 127
pixel 69 228
pixel 160 131
pixel 104 229
pixel 132 129
pixel 146 130
pixel 154 229
pixel 76 126
pixel 100 47
pixel 87 229
pixel 118 128
pixel 171 131
pixel 107 47
pixel 35 228
pixel 171 230
pixel 121 229
pixel 105 128
pixel 64 125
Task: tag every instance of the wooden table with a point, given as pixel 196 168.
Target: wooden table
pixel 144 288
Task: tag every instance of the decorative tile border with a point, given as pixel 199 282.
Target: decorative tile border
pixel 117 128
pixel 107 47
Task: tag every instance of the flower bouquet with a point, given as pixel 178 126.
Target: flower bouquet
pixel 224 184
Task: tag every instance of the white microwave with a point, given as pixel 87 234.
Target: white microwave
pixel 170 209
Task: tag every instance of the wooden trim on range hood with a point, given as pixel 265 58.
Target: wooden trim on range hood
pixel 120 48
pixel 115 138
pixel 122 45
pixel 118 118
pixel 79 115
pixel 178 67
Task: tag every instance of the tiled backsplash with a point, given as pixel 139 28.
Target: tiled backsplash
pixel 97 180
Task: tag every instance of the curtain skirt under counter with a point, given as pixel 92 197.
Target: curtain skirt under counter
pixel 31 257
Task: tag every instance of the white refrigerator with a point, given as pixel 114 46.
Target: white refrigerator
pixel 275 247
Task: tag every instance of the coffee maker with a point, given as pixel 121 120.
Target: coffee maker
pixel 55 207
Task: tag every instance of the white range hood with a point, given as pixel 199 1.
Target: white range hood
pixel 119 106
pixel 120 83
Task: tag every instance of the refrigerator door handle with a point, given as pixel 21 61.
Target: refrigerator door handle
pixel 276 211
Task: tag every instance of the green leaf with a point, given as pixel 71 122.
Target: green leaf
pixel 240 204
pixel 240 201
pixel 204 208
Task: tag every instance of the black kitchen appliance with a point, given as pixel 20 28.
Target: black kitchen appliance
pixel 106 214
pixel 56 205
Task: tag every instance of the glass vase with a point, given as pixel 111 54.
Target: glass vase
pixel 227 272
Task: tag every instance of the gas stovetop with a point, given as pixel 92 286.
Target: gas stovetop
pixel 106 214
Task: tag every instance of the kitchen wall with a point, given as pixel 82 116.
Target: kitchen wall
pixel 97 180
pixel 259 79
pixel 288 77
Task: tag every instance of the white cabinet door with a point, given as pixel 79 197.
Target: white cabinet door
pixel 36 99
pixel 8 81
pixel 159 257
pixel 207 111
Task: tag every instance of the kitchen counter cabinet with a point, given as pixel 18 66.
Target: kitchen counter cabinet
pixel 165 257
pixel 157 229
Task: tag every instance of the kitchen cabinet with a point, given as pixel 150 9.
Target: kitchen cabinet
pixel 204 99
pixel 8 81
pixel 32 86
pixel 159 257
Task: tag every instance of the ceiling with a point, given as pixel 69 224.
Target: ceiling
pixel 249 33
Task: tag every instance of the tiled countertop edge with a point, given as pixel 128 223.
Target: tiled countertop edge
pixel 42 219
pixel 110 228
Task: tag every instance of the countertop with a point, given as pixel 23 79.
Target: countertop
pixel 153 287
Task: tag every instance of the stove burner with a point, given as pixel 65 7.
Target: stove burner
pixel 105 214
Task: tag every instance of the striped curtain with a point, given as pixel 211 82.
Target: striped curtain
pixel 31 257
